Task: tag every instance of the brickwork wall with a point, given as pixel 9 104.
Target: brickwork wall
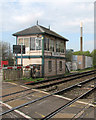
pixel 55 67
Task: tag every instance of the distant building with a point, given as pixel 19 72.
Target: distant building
pixel 82 61
pixel 43 47
pixel 79 62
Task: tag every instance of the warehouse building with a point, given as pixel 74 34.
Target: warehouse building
pixel 43 47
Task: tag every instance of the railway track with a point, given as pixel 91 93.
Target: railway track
pixel 60 81
pixel 55 82
pixel 60 77
pixel 16 95
pixel 66 105
pixel 30 92
pixel 58 92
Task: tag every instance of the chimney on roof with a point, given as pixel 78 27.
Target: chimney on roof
pixel 37 22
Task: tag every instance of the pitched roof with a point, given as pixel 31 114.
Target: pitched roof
pixel 38 29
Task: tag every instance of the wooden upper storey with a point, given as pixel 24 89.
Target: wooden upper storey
pixel 32 38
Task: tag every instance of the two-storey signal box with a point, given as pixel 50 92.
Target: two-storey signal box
pixel 43 47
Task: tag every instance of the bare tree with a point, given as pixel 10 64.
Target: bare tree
pixel 6 53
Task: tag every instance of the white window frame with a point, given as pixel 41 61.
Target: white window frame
pixel 35 42
pixel 23 40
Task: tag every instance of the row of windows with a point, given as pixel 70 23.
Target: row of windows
pixel 35 44
pixel 50 66
pixel 49 45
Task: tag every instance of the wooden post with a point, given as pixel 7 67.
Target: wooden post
pixel 43 55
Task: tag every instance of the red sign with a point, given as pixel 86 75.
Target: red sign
pixel 4 63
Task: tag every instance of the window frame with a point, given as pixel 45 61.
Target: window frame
pixel 60 65
pixel 35 40
pixel 23 41
pixel 46 44
pixel 39 39
pixel 51 45
pixel 62 48
pixel 30 43
pixel 57 46
pixel 50 66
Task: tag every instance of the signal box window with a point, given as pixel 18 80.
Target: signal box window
pixel 35 43
pixel 46 44
pixel 38 44
pixel 51 45
pixel 23 41
pixel 57 46
pixel 62 47
pixel 50 66
pixel 60 65
pixel 32 43
pixel 20 41
pixel 26 42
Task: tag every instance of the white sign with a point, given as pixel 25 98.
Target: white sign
pixel 55 54
pixel 27 49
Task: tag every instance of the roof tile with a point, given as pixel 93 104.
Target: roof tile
pixel 38 29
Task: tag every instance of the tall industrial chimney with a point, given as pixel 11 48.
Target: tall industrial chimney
pixel 81 36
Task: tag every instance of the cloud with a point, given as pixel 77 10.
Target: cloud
pixel 63 16
pixel 89 45
pixel 23 19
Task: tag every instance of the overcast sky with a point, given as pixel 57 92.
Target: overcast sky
pixel 63 17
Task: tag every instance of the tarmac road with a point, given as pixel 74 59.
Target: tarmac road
pixel 41 108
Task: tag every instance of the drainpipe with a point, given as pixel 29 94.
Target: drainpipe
pixel 43 55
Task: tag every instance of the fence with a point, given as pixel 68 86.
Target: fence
pixel 12 74
pixel 19 72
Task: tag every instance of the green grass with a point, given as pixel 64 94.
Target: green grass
pixel 86 69
pixel 26 80
pixel 83 70
pixel 33 79
pixel 7 80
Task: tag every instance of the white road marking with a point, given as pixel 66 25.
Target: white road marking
pixel 17 111
pixel 64 98
pixel 85 103
pixel 28 98
pixel 41 91
pixel 11 83
pixel 24 87
pixel 59 96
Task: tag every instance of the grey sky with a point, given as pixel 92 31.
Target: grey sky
pixel 63 17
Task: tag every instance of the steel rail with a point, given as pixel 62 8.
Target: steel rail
pixel 47 85
pixel 38 99
pixel 66 105
pixel 67 76
pixel 62 81
pixel 19 97
pixel 16 92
